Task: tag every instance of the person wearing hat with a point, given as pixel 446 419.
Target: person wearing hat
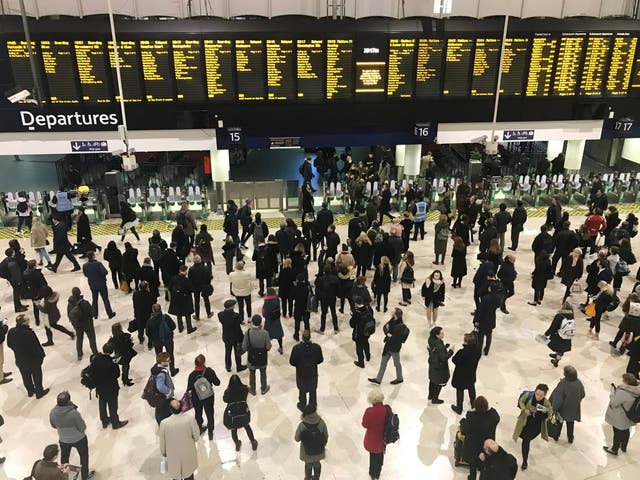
pixel 244 215
pixel 232 335
pixel 257 344
pixel 240 281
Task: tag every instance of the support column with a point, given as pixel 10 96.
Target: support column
pixel 400 160
pixel 219 174
pixel 574 153
pixel 554 147
pixel 412 160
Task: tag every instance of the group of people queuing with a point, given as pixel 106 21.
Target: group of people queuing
pixel 284 269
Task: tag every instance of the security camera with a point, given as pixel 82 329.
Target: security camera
pixel 19 96
pixel 481 139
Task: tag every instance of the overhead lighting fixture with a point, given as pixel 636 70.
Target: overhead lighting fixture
pixel 442 7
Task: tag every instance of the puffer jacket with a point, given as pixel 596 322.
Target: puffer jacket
pixel 620 400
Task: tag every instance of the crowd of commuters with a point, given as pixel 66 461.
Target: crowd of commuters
pixel 293 285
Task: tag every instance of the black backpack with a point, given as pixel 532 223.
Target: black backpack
pixel 391 426
pixel 22 207
pixel 407 274
pixel 312 439
pixel 86 378
pixel 633 413
pixel 4 269
pixel 256 356
pixel 369 327
pixel 155 252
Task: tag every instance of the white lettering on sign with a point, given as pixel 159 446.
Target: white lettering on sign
pixel 76 119
pixel 371 50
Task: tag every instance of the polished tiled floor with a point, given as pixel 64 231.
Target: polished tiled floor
pixel 516 362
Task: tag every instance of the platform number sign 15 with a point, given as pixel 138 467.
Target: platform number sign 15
pixel 235 135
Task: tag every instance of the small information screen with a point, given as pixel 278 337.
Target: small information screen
pixel 92 71
pixel 311 70
pixel 57 58
pixel 458 61
pixel 429 67
pixel 251 68
pixel 187 66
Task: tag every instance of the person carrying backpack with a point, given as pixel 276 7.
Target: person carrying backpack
pixel 306 356
pixel 623 412
pixel 561 332
pixel 313 435
pixel 257 344
pixel 374 420
pixel 23 210
pixel 364 325
pixel 258 230
pixel 200 386
pixel 80 315
pixel 186 221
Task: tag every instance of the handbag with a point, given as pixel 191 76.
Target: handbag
pixel 577 286
pixel 133 326
pixel 590 311
pixel 186 402
pixel 124 286
pixel 207 290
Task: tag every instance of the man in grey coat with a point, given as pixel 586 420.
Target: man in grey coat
pixel 66 419
pixel 257 343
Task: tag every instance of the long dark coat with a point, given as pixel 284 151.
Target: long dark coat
pixel 466 361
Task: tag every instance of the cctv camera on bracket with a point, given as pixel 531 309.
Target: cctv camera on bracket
pixel 17 95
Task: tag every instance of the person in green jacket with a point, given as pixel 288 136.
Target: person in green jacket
pixel 313 436
pixel 535 410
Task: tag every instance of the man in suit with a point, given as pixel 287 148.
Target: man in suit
pixel 105 375
pixel 29 355
pixel 231 334
pixel 62 246
pixel 306 356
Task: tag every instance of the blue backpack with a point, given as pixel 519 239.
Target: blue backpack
pixel 391 426
pixel 529 396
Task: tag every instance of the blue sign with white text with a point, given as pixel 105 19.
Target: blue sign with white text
pixel 517 135
pixel 82 146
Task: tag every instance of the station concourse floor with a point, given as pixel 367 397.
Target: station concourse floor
pixel 516 362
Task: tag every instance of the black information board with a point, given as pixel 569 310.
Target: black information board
pixel 130 70
pixel 220 65
pixel 187 67
pixel 251 70
pixel 543 54
pixel 485 67
pixel 156 71
pixel 311 70
pixel 281 70
pixel 92 71
pixel 339 69
pixel 429 67
pixel 595 64
pixel 457 63
pixel 18 54
pixel 621 64
pixel 58 62
pixel 514 66
pixel 569 64
pixel 402 58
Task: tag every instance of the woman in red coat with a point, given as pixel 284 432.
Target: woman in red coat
pixel 373 420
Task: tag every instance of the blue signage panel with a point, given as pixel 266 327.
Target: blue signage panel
pixel 517 135
pixel 83 146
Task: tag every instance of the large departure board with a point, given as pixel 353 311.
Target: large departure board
pixel 621 63
pixel 429 67
pixel 595 64
pixel 130 72
pixel 92 71
pixel 565 80
pixel 18 54
pixel 514 65
pixel 156 70
pixel 57 58
pixel 281 70
pixel 458 61
pixel 485 67
pixel 339 69
pixel 310 70
pixel 251 69
pixel 187 66
pixel 219 61
pixel 402 58
pixel 543 53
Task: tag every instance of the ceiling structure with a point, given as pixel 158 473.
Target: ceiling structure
pixel 321 8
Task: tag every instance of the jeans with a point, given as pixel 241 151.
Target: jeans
pixel 24 221
pixel 207 406
pixel 460 396
pixel 375 464
pixel 312 470
pixel 227 355
pixel 246 234
pixel 406 294
pixel 196 302
pixel 102 291
pixel 362 349
pixel 481 335
pixel 383 365
pixel 32 379
pixel 72 259
pixel 108 406
pixel 620 439
pixel 302 398
pixel 246 301
pixel 324 306
pixel 438 256
pixel 91 336
pixel 252 378
pixel 418 226
pixel 82 446
pixel 42 253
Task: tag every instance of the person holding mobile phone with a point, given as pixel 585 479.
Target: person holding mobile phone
pixel 621 401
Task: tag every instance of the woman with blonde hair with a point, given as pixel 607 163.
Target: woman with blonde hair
pixel 363 252
pixel 39 234
pixel 407 277
pixel 381 284
pixel 433 293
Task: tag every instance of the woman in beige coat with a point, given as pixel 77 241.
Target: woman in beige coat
pixel 178 436
pixel 39 234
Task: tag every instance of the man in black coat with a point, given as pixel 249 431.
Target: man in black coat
pixel 565 241
pixel 200 277
pixel 502 219
pixel 80 315
pixel 306 356
pixel 518 219
pixel 497 464
pixel 29 355
pixel 395 334
pixel 105 376
pixel 385 202
pixel 324 218
pixel 182 300
pixel 160 329
pixel 232 335
pixel 359 318
pixel 488 233
pixel 306 170
pixel 142 303
pixel 333 242
pixel 301 311
pixel 62 246
pixel 307 201
pixel 282 238
pixel 34 281
pixel 484 271
pixel 543 241
pixel 13 274
pixel 327 286
pixel 356 225
pixel 507 275
pixel 485 318
pixel 169 265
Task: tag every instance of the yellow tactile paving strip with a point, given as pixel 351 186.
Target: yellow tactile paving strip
pixel 108 228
